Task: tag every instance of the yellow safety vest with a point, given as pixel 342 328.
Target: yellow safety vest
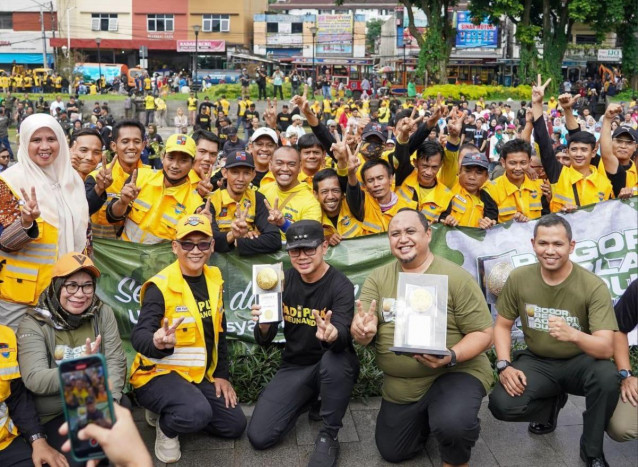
pixel 592 189
pixel 632 176
pixel 375 221
pixel 25 273
pixel 99 225
pixel 467 209
pixel 157 209
pixel 347 225
pixel 225 208
pixel 431 203
pixel 9 370
pixel 511 199
pixel 189 359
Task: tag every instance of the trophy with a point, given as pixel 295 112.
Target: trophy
pixel 420 325
pixel 267 289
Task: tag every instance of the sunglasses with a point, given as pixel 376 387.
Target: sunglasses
pixel 296 252
pixel 201 246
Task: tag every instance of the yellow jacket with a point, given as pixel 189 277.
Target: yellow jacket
pixel 298 202
pixel 376 221
pixel 510 199
pixel 8 371
pixel 430 202
pixel 347 225
pixel 157 208
pixel 466 208
pixel 592 189
pixel 189 359
pixel 225 208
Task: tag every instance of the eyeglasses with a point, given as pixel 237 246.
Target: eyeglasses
pixel 201 246
pixel 624 142
pixel 73 287
pixel 296 252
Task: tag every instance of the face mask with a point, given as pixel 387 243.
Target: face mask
pixel 371 150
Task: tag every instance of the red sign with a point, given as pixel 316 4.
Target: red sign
pixel 202 46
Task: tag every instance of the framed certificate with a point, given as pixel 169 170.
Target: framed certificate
pixel 420 324
pixel 267 288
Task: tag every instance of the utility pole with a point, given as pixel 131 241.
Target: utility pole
pixel 55 50
pixel 44 39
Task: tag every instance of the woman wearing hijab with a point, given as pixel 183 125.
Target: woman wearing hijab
pixel 69 321
pixel 43 215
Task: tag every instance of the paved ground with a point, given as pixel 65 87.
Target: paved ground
pixel 500 443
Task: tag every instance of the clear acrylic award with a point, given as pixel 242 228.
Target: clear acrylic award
pixel 267 288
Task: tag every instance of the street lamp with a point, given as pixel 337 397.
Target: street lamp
pixel 98 41
pixel 313 31
pixel 406 42
pixel 196 28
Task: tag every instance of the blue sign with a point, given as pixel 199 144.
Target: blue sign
pixel 470 35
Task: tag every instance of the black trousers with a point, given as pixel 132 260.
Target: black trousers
pixel 278 88
pixel 185 407
pixel 17 454
pixel 262 90
pixel 294 388
pixel 581 375
pixel 449 411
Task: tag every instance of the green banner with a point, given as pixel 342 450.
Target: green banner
pixel 606 236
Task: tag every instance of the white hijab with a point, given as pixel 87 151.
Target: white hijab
pixel 59 188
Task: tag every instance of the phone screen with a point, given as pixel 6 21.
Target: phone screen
pixel 86 399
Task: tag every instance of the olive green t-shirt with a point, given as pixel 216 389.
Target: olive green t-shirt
pixel 404 379
pixel 582 299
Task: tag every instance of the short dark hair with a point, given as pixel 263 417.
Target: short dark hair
pixel 207 135
pixel 309 140
pixel 560 148
pixel 373 163
pixel 422 219
pixel 86 132
pixel 582 137
pixel 469 147
pixel 551 220
pixel 322 175
pixel 429 149
pixel 516 145
pixel 127 123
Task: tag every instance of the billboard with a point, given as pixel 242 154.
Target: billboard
pixel 334 34
pixel 202 46
pixel 470 35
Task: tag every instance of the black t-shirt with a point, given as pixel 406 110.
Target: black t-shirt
pixel 627 308
pixel 333 291
pixel 469 131
pixel 479 137
pixel 200 292
pixel 283 121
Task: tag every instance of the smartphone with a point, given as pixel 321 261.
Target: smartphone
pixel 86 398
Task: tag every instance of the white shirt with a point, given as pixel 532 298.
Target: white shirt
pixel 55 105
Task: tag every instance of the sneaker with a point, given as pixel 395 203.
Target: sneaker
pixel 314 413
pixel 166 449
pixel 151 418
pixel 544 428
pixel 326 451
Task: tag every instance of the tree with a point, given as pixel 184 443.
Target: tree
pixel 551 22
pixel 628 35
pixel 373 32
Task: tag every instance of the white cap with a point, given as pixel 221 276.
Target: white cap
pixel 264 131
pixel 297 117
pixel 390 141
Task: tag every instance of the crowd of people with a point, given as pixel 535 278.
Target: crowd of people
pixel 306 176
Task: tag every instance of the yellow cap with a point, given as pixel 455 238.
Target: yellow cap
pixel 181 143
pixel 73 262
pixel 193 223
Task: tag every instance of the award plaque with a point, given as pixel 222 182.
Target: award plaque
pixel 267 289
pixel 420 325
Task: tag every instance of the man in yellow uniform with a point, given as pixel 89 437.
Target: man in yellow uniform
pixel 579 184
pixel 471 205
pixel 28 83
pixel 617 151
pixel 151 203
pixel 105 183
pixel 239 214
pixel 58 83
pixel 225 105
pixel 517 196
pixel 287 199
pixel 181 369
pixel 192 108
pixel 149 107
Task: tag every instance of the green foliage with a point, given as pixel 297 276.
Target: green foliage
pixel 473 92
pixel 373 32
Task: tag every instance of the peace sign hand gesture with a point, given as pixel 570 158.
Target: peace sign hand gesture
pixel 130 190
pixel 29 209
pixel 164 337
pixel 104 177
pixel 92 348
pixel 326 331
pixel 538 90
pixel 275 216
pixel 364 324
pixel 205 211
pixel 205 187
pixel 239 226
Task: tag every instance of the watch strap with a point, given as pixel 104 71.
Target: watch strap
pixel 36 436
pixel 453 360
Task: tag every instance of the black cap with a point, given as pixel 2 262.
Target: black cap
pixel 231 130
pixel 304 234
pixel 239 159
pixel 622 130
pixel 374 129
pixel 475 159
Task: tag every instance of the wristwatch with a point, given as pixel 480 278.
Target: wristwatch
pixel 453 360
pixel 501 365
pixel 624 374
pixel 36 436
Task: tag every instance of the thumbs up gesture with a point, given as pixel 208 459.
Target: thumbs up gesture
pixel 326 331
